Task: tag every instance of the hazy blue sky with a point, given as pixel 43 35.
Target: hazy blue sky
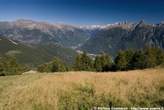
pixel 83 11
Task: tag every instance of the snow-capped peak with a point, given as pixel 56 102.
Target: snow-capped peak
pixel 103 26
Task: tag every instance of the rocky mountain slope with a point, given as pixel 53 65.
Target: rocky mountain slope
pixel 33 32
pixel 45 40
pixel 125 36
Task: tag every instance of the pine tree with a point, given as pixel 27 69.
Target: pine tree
pixel 121 61
pixel 83 62
pixel 129 55
pixel 98 64
pixel 42 68
pixel 103 62
pixel 56 65
pixel 78 64
pixel 159 56
pixel 138 61
pixel 9 66
pixel 150 57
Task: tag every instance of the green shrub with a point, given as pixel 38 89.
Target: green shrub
pixel 9 66
pixel 103 62
pixel 83 62
pixel 54 66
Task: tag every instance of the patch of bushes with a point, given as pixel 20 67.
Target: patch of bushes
pixel 9 66
pixel 83 62
pixel 54 66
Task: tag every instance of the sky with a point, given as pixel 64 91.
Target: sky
pixel 83 12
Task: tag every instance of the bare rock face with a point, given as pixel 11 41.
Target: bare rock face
pixel 32 32
pixel 94 39
pixel 119 38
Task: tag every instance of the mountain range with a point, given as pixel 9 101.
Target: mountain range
pixel 124 36
pixel 34 42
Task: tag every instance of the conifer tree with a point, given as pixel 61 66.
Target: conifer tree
pixel 98 63
pixel 9 66
pixel 103 62
pixel 83 62
pixel 56 65
pixel 159 56
pixel 150 57
pixel 121 61
pixel 138 61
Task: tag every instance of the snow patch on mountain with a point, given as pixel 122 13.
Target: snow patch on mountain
pixel 96 26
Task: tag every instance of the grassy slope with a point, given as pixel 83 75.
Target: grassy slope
pixel 34 56
pixel 41 91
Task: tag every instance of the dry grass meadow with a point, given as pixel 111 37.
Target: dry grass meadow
pixel 42 91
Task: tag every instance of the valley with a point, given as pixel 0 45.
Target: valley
pixel 82 55
pixel 45 40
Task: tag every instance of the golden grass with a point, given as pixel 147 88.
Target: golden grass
pixel 29 91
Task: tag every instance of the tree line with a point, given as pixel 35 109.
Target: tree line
pixel 10 66
pixel 124 60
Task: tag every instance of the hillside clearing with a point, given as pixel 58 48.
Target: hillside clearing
pixel 42 91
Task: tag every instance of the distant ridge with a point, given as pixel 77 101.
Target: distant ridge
pixel 36 54
pixel 94 39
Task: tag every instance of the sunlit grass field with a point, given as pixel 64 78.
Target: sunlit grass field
pixel 81 90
